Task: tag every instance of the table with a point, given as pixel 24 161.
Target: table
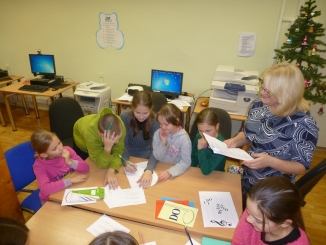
pixel 8 82
pixel 185 110
pixel 184 187
pixel 55 224
pixel 14 88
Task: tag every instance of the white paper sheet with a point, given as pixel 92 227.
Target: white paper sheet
pixel 179 103
pixel 104 224
pixel 134 177
pixel 247 44
pixel 125 97
pixel 220 147
pixel 124 197
pixel 70 198
pixel 218 209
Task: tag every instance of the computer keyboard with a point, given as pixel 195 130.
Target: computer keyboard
pixel 34 88
pixel 5 79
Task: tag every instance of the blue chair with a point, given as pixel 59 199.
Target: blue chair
pixel 20 160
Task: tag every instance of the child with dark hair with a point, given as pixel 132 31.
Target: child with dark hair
pixel 55 164
pixel 171 142
pixel 114 238
pixel 141 124
pixel 273 215
pixel 101 138
pixel 13 232
pixel 202 156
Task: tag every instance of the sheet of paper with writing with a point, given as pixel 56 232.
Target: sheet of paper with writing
pixel 135 176
pixel 104 224
pixel 218 209
pixel 178 213
pixel 70 198
pixel 124 197
pixel 220 147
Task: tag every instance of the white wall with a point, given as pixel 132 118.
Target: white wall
pixel 188 36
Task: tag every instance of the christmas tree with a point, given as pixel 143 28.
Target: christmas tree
pixel 302 46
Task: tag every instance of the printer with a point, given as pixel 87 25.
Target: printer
pixel 92 96
pixel 234 90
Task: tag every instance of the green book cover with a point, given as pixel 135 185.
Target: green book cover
pixel 96 192
pixel 210 241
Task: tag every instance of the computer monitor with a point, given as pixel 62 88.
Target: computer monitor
pixel 168 83
pixel 43 64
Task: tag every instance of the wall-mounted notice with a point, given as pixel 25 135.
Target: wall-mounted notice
pixel 247 44
pixel 109 35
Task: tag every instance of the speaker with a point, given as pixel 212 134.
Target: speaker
pixel 58 79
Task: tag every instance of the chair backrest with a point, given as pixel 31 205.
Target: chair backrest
pixel 225 124
pixel 311 178
pixel 20 160
pixel 159 99
pixel 63 114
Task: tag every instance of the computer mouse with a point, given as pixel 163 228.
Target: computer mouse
pixel 54 89
pixel 205 102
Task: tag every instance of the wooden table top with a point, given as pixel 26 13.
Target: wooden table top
pixel 185 187
pixel 14 88
pixel 55 224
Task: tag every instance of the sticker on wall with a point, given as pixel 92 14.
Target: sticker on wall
pixel 109 34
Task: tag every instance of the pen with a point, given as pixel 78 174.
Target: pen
pixel 128 162
pixel 188 235
pixel 141 238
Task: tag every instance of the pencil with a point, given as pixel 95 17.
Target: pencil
pixel 141 238
pixel 188 235
pixel 110 126
pixel 127 162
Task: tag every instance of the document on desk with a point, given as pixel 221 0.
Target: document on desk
pixel 220 147
pixel 179 103
pixel 218 209
pixel 125 97
pixel 124 197
pixel 70 198
pixel 133 177
pixel 104 224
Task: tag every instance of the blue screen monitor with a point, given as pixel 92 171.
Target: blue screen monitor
pixel 168 83
pixel 42 64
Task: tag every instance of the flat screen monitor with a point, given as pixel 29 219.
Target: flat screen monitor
pixel 42 64
pixel 168 83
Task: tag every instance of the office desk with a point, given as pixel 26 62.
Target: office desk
pixel 64 225
pixel 8 82
pixel 198 108
pixel 14 88
pixel 185 110
pixel 183 187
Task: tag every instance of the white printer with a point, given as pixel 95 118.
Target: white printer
pixel 234 90
pixel 92 96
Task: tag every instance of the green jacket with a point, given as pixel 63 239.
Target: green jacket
pixel 86 137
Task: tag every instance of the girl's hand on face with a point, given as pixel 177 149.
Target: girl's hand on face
pixel 163 137
pixel 145 180
pixel 66 155
pixel 202 143
pixel 109 139
pixel 164 175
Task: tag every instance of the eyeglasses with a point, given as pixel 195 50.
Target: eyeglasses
pixel 262 87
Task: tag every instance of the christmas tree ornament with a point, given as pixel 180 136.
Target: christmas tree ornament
pixel 297 29
pixel 312 13
pixel 306 83
pixel 298 64
pixel 305 43
pixel 306 14
pixel 310 68
pixel 321 111
pixel 277 60
pixel 311 29
pixel 303 68
pixel 315 69
pixel 289 40
pixel 323 86
pixel 283 59
pixel 313 51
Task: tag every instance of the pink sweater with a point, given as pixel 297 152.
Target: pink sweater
pixel 50 174
pixel 245 234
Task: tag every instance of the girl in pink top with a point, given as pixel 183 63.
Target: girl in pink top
pixel 273 215
pixel 55 164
